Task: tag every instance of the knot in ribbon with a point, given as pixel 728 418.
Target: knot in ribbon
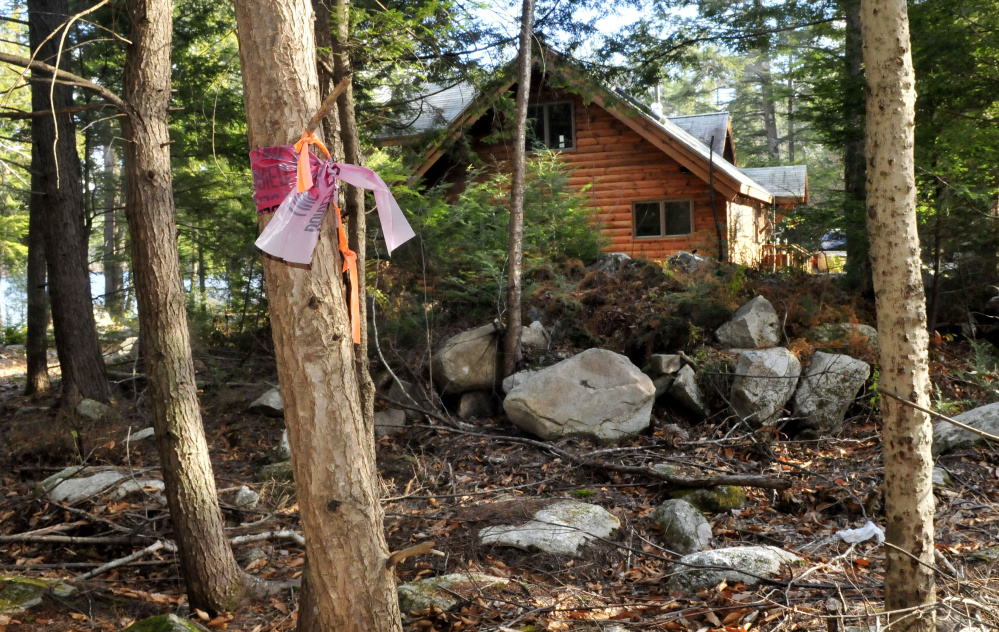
pixel 302 149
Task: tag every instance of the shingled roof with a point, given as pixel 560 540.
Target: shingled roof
pixel 788 184
pixel 705 126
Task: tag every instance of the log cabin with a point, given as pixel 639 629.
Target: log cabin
pixel 657 185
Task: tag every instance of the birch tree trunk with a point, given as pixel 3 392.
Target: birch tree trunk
pixel 901 310
pixel 63 229
pixel 332 442
pixel 511 339
pixel 214 581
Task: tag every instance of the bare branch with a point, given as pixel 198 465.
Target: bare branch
pixel 69 77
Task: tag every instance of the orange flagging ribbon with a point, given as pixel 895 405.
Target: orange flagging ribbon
pixel 350 267
pixel 302 149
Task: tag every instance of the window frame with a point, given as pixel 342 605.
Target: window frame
pixel 546 126
pixel 662 218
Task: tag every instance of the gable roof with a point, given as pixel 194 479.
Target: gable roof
pixel 789 184
pixel 436 108
pixel 460 105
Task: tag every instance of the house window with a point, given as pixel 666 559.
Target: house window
pixel 550 126
pixel 667 218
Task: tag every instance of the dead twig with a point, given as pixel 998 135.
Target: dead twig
pixel 971 429
pixel 124 561
pixel 416 549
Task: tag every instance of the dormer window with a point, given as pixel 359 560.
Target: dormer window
pixel 550 125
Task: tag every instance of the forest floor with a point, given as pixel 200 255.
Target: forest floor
pixel 445 485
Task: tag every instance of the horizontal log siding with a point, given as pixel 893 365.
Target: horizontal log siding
pixel 623 168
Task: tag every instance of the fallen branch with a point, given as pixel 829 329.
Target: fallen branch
pixel 285 534
pixel 66 539
pixel 740 480
pixel 124 561
pixel 971 429
pixel 416 549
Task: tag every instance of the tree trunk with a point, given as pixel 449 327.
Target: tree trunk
pixel 112 267
pixel 769 107
pixel 790 108
pixel 214 581
pixel 332 442
pixel 64 233
pixel 36 345
pixel 511 339
pixel 901 310
pixel 858 269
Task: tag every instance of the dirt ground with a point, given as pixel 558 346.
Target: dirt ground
pixel 445 486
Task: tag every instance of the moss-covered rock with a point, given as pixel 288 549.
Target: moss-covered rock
pixel 443 592
pixel 744 564
pixel 714 499
pixel 280 472
pixel 163 623
pixel 18 594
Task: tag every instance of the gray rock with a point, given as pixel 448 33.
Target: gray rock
pixel 753 326
pixel 26 410
pixel 14 348
pixel 475 404
pixel 270 404
pixel 440 592
pixel 689 263
pixel 829 387
pixel 513 381
pixel 714 499
pixel 84 483
pixel 685 392
pixel 466 362
pixel 127 350
pixel 283 451
pixel 163 623
pixel 941 478
pixel 843 332
pixel 146 485
pixel 561 528
pixel 611 263
pixel 597 393
pixel 93 410
pixel 389 422
pixel 51 482
pixel 947 437
pixel 685 529
pixel 534 336
pixel 253 555
pixel 142 435
pixel 411 396
pixel 18 594
pixel 764 382
pixel 666 364
pixel 246 498
pixel 662 383
pixel 764 561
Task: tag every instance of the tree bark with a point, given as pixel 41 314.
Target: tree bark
pixel 901 310
pixel 511 339
pixel 332 443
pixel 63 230
pixel 36 345
pixel 768 103
pixel 113 300
pixel 858 269
pixel 214 581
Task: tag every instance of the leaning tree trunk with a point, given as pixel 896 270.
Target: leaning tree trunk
pixel 514 329
pixel 36 345
pixel 214 581
pixel 65 242
pixel 901 310
pixel 332 442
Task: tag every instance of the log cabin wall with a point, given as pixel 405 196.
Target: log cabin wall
pixel 622 168
pixel 744 237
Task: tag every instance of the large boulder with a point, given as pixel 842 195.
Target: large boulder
pixel 685 529
pixel 76 483
pixel 93 410
pixel 561 529
pixel 684 261
pixel 844 332
pixel 947 437
pixel 475 404
pixel 513 381
pixel 597 393
pixel 534 336
pixel 666 364
pixel 718 499
pixel 685 392
pixel 18 594
pixel 444 591
pixel 389 422
pixel 270 404
pixel 744 564
pixel 407 394
pixel 467 362
pixel 829 387
pixel 753 326
pixel 764 382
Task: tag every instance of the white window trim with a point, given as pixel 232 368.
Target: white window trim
pixel 545 109
pixel 662 218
